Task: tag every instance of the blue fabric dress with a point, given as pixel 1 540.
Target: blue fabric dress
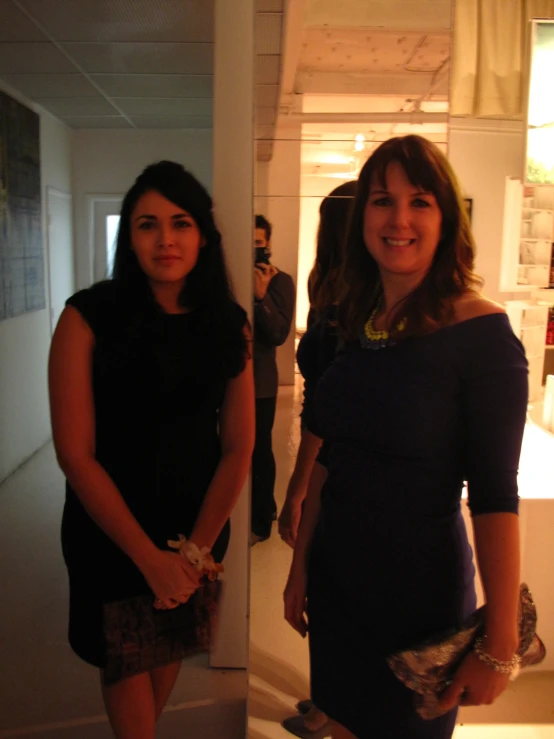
pixel 390 562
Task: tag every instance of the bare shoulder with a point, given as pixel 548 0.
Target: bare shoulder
pixel 472 305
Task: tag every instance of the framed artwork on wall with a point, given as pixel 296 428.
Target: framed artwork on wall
pixel 22 282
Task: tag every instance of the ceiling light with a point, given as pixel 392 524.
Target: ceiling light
pixel 359 137
pixel 359 145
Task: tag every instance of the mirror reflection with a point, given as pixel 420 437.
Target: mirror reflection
pixel 352 77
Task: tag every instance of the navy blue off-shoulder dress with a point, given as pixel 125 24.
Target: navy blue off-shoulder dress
pixel 390 563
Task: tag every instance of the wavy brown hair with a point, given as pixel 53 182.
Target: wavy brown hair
pixel 334 218
pixel 430 305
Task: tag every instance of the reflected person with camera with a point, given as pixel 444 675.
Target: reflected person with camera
pixel 274 301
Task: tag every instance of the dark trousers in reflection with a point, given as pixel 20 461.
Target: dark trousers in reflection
pixel 264 507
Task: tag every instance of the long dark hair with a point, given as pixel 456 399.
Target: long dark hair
pixel 207 289
pixel 334 215
pixel 430 305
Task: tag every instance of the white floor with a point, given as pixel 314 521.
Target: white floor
pixel 47 692
pixel 279 657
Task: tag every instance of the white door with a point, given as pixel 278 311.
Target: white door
pixel 105 211
pixel 61 268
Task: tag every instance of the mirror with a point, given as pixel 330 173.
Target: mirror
pixel 353 75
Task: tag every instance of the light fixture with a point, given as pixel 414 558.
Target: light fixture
pixel 359 145
pixel 359 137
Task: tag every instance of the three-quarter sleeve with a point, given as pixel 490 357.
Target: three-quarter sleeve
pixel 316 351
pixel 494 403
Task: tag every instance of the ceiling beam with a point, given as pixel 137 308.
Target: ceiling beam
pixel 293 30
pixel 411 117
pixel 354 83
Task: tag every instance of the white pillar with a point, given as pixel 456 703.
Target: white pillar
pixel 284 214
pixel 233 177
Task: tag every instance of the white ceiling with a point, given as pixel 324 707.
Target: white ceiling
pixel 128 63
pixel 149 63
pixel 392 14
pixel 112 63
pixel 376 68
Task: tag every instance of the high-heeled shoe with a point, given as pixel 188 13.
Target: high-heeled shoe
pixel 297 725
pixel 304 706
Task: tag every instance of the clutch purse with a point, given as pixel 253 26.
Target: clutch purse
pixel 139 638
pixel 429 667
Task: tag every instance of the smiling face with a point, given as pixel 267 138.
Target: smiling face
pixel 165 239
pixel 402 225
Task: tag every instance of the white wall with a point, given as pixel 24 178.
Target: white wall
pixel 233 188
pixel 25 340
pixel 278 198
pixel 107 162
pixel 483 153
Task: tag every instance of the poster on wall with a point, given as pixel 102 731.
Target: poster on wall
pixel 540 111
pixel 22 285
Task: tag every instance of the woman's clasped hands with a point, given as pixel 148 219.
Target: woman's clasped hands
pixel 172 578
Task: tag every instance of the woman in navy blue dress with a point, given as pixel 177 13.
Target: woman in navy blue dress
pixel 429 390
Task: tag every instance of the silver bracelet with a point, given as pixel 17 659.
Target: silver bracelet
pixel 509 667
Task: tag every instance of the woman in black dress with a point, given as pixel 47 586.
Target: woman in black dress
pixel 428 390
pixel 316 350
pixel 317 347
pixel 152 408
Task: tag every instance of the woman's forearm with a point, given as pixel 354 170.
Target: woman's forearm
pixel 221 498
pixel 105 505
pixel 498 557
pixel 310 516
pixel 310 445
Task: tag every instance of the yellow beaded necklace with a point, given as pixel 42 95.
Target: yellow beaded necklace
pixel 383 336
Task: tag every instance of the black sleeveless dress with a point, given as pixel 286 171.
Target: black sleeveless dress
pixel 158 382
pixel 390 563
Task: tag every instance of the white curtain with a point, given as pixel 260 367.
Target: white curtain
pixel 490 64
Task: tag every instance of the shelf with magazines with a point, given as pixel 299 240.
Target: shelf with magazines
pixel 527 236
pixel 526 268
pixel 536 234
pixel 529 323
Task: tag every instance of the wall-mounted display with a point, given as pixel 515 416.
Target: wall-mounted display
pixel 22 287
pixel 540 111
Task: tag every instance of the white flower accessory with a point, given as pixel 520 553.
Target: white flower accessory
pixel 201 559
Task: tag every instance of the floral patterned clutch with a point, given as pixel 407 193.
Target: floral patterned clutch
pixel 139 637
pixel 428 668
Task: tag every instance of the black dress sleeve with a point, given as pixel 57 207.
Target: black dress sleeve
pixel 240 321
pixel 95 304
pixel 494 397
pixel 316 351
